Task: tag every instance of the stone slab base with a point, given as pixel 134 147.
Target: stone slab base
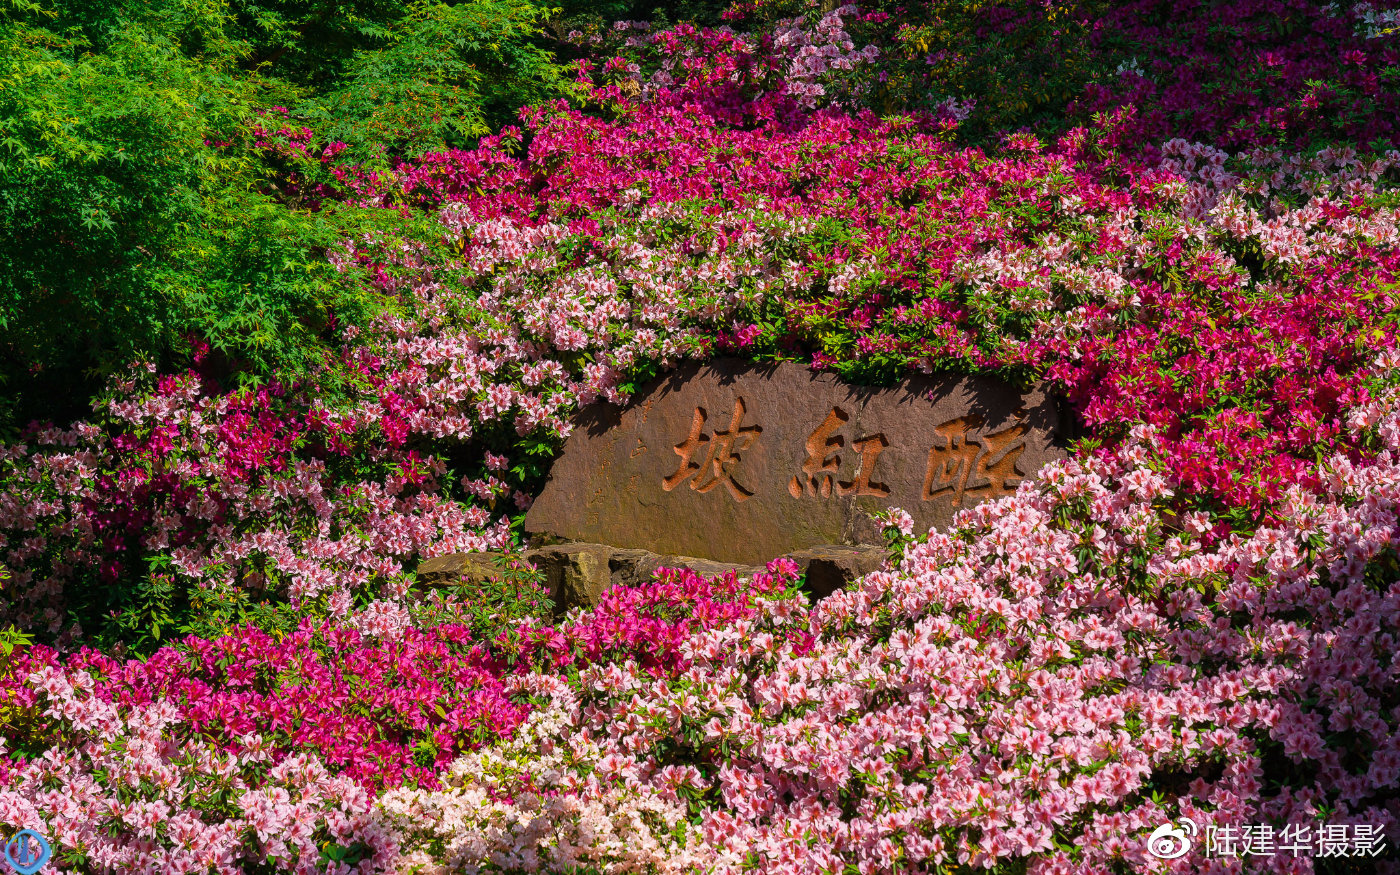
pixel 577 574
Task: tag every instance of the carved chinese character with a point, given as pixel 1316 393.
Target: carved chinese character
pixel 949 466
pixel 723 454
pixel 996 467
pixel 819 469
pixel 869 449
pixel 961 463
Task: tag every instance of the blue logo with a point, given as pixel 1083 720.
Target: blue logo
pixel 23 856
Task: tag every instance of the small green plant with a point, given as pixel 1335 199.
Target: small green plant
pixel 11 638
pixel 492 604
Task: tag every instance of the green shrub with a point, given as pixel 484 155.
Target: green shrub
pixel 138 211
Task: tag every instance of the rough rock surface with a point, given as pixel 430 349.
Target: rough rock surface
pixel 641 570
pixel 735 462
pixel 577 575
pixel 830 567
pixel 460 568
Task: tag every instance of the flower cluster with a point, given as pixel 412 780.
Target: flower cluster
pixel 1292 74
pixel 122 793
pixel 815 53
pixel 269 491
pixel 1050 679
pixel 259 747
pixel 735 77
pixel 1196 615
pixel 1259 74
pixel 545 801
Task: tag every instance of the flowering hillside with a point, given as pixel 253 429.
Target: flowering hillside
pixel 1183 216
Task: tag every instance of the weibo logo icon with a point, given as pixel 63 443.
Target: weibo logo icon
pixel 27 852
pixel 1168 841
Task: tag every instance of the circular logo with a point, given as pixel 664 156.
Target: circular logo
pixel 1168 841
pixel 27 852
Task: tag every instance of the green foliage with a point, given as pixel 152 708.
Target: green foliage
pixel 1020 62
pixel 139 212
pixel 20 726
pixel 123 228
pixel 593 16
pixel 445 76
pixel 347 855
pixel 12 639
pixel 150 608
pixel 209 613
pixel 492 608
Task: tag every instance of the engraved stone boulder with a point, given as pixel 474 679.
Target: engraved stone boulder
pixel 739 463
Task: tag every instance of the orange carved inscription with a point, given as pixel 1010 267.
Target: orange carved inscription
pixel 869 449
pixel 720 453
pixel 961 463
pixel 819 469
pixel 963 460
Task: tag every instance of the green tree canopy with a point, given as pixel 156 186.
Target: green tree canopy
pixel 136 210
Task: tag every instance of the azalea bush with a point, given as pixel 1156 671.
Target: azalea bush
pixel 918 254
pixel 217 655
pixel 1054 676
pixel 253 749
pixel 1256 75
pixel 771 75
pixel 1294 74
pixel 1221 304
pixel 1003 65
